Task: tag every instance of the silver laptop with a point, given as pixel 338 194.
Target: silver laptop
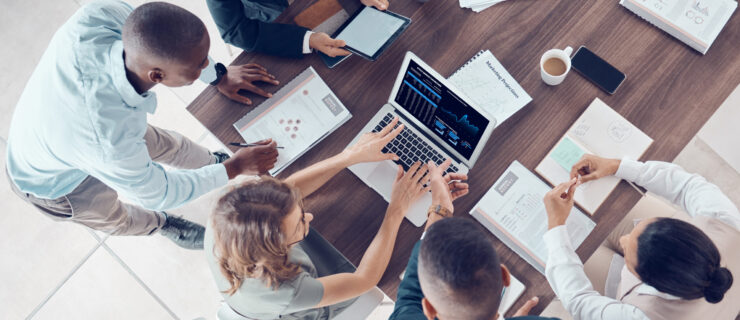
pixel 440 123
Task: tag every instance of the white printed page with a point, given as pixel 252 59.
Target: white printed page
pixel 702 20
pixel 296 117
pixel 487 83
pixel 600 131
pixel 513 210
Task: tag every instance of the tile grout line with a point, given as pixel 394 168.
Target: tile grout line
pixel 141 282
pixel 64 281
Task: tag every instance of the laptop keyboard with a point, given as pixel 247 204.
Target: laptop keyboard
pixel 410 148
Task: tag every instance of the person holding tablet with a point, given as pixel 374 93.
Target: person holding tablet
pixel 248 24
pixel 673 269
pixel 258 240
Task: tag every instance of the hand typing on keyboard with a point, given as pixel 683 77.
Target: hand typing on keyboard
pixel 371 146
pixel 410 147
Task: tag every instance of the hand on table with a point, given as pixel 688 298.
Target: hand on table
pixel 559 202
pixel 324 43
pixel 243 77
pixel 252 160
pixel 407 188
pixel 370 146
pixel 526 308
pixel 592 167
pixel 378 4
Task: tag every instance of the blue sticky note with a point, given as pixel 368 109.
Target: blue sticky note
pixel 567 153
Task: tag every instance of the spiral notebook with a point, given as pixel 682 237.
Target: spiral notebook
pixel 487 83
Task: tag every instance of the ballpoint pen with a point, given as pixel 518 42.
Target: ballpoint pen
pixel 245 145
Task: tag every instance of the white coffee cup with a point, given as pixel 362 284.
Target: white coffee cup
pixel 562 55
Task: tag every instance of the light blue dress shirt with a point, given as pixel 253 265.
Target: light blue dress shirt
pixel 79 116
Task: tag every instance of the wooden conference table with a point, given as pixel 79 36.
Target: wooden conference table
pixel 670 92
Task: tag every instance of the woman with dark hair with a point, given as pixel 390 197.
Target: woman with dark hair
pixel 262 252
pixel 673 269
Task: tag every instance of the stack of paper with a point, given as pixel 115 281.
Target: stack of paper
pixel 696 23
pixel 478 5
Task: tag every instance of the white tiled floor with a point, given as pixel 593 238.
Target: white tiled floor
pixel 63 271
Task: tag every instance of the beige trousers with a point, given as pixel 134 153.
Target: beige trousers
pixel 97 206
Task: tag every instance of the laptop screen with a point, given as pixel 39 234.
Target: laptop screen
pixel 441 110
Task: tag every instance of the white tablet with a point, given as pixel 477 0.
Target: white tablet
pixel 370 31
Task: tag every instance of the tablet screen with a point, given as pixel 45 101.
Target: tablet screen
pixel 370 30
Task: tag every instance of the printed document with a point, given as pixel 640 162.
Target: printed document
pixel 514 212
pixel 297 117
pixel 601 131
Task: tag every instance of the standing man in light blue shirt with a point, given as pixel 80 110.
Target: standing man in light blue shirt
pixel 79 135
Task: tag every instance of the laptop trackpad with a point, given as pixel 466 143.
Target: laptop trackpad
pixel 382 177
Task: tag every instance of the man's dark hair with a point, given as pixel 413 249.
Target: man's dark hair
pixel 678 258
pixel 163 30
pixel 458 261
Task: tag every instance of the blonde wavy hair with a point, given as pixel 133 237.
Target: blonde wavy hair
pixel 249 242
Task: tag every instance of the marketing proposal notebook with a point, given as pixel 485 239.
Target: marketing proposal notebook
pixel 514 212
pixel 600 131
pixel 297 117
pixel 486 82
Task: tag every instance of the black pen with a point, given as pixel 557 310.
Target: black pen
pixel 246 145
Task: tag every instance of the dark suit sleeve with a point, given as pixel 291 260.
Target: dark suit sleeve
pixel 253 35
pixel 408 299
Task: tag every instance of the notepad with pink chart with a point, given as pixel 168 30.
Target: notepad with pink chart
pixel 297 117
pixel 600 131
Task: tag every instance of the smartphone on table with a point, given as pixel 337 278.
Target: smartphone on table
pixel 597 70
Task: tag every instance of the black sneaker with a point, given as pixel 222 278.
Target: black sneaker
pixel 220 156
pixel 182 232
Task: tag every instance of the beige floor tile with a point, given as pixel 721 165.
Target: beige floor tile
pixel 171 114
pixel 37 253
pixel 699 157
pixel 26 27
pixel 102 289
pixel 212 143
pixel 181 278
pixel 720 132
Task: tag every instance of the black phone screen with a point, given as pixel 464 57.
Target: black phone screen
pixel 597 70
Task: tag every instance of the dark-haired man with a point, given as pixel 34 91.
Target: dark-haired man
pixel 79 135
pixel 454 271
pixel 248 24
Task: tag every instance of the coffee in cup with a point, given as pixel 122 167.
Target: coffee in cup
pixel 555 65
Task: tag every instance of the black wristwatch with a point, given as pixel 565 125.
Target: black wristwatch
pixel 220 73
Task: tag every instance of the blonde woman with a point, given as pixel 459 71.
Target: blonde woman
pixel 256 249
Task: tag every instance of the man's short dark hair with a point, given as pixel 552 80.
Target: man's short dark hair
pixel 458 261
pixel 163 30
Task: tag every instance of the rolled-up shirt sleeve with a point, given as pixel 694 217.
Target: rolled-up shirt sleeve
pixel 132 173
pixel 564 272
pixel 691 192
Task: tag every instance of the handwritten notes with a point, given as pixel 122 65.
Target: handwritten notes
pixel 567 153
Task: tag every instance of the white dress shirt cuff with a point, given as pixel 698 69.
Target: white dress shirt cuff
pixel 220 177
pixel 557 242
pixel 629 169
pixel 306 45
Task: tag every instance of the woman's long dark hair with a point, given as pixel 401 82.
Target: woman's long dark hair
pixel 677 258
